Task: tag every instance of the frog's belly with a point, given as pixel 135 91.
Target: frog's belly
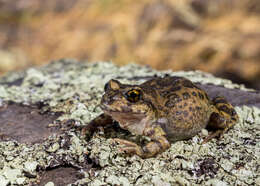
pixel 185 128
pixel 184 133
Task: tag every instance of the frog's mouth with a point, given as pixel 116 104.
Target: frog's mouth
pixel 121 110
pixel 127 119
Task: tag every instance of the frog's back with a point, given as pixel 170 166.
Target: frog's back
pixel 184 106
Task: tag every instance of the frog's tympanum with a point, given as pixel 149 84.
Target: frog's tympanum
pixel 165 109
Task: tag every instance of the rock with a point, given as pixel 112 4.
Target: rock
pixel 70 94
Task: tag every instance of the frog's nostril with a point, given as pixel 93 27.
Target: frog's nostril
pixel 107 100
pixel 113 98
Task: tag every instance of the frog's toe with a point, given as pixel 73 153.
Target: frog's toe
pixel 129 147
pixel 216 134
pixel 132 150
pixel 124 142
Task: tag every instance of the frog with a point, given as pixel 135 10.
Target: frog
pixel 164 109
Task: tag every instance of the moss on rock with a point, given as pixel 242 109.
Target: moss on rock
pixel 74 89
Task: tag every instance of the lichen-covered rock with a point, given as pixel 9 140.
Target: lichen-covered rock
pixel 3 181
pixel 71 92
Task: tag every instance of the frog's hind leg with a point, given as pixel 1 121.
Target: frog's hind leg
pixel 158 144
pixel 222 118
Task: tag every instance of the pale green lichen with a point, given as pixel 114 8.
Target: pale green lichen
pixel 76 89
pixel 30 166
pixel 216 182
pixel 4 181
pixel 12 174
pixel 49 184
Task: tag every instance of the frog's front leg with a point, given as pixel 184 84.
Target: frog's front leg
pixel 100 121
pixel 158 144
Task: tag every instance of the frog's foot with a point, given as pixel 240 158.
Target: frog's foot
pixel 150 150
pixel 223 118
pixel 225 115
pixel 129 147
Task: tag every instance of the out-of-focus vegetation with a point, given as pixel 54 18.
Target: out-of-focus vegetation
pixel 221 37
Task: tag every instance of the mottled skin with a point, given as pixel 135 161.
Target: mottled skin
pixel 165 109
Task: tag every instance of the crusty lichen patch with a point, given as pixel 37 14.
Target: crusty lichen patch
pixel 75 90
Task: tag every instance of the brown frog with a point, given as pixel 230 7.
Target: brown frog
pixel 165 109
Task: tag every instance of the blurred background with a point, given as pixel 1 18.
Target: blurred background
pixel 217 36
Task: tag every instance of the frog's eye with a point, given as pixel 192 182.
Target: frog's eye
pixel 133 95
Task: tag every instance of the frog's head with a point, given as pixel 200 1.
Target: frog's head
pixel 126 103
